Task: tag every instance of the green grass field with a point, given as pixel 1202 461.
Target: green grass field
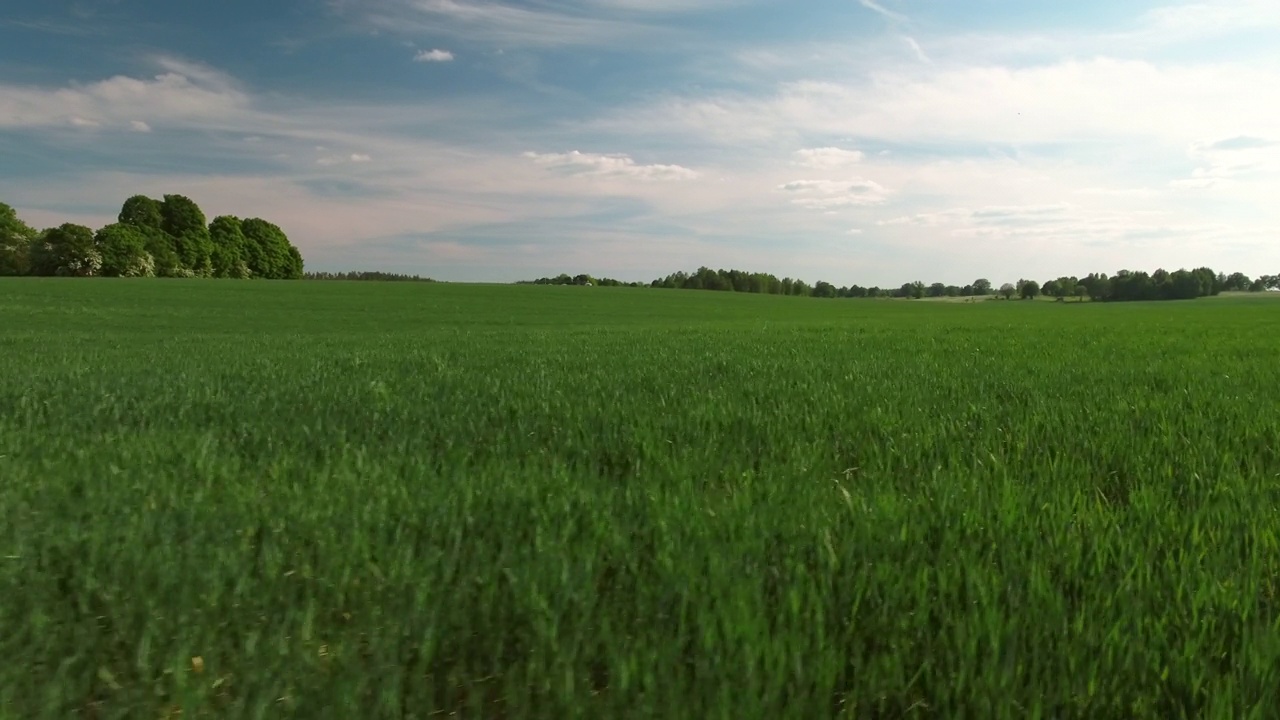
pixel 369 500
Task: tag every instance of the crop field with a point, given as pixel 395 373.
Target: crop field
pixel 401 500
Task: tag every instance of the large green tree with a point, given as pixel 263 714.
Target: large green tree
pixel 142 212
pixel 15 243
pixel 184 221
pixel 229 248
pixel 268 251
pixel 147 216
pixel 68 249
pixel 124 251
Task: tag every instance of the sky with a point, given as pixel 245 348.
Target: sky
pixel 870 142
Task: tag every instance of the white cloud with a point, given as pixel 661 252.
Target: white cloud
pixel 916 49
pixel 591 164
pixel 1212 18
pixel 434 56
pixel 511 24
pixel 828 157
pixel 139 126
pixel 928 219
pixel 1063 102
pixel 1240 142
pixel 878 8
pixel 331 160
pixel 831 194
pixel 493 22
pixel 1195 183
pixel 1137 192
pixel 1224 160
pixel 184 93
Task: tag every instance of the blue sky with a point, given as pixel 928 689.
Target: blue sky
pixel 853 141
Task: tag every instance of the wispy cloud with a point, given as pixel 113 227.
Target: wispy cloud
pixel 434 56
pixel 186 92
pixel 878 8
pixel 828 157
pixel 1209 18
pixel 915 48
pixel 494 22
pixel 1240 142
pixel 833 194
pixel 1067 101
pixel 1222 161
pixel 596 165
pixel 356 158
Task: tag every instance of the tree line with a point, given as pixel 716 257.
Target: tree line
pixel 566 279
pixel 1125 285
pixel 151 238
pixel 368 275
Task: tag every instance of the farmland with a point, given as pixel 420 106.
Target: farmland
pixel 315 500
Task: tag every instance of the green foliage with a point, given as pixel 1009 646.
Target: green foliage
pixel 165 239
pixel 142 212
pixel 68 250
pixel 185 223
pixel 1028 289
pixel 294 266
pixel 389 500
pixel 229 248
pixel 147 216
pixel 160 246
pixel 181 216
pixel 15 243
pixel 124 251
pixel 268 252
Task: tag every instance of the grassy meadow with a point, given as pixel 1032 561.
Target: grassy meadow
pixel 401 500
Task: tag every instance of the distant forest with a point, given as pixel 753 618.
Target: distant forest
pixel 1123 285
pixel 371 275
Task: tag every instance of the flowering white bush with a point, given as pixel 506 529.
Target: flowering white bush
pixel 142 266
pixel 86 266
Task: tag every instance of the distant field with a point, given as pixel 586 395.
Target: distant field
pixel 368 500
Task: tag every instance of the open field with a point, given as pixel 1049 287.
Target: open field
pixel 366 500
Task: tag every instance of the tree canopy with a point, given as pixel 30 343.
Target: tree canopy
pixel 16 238
pixel 161 238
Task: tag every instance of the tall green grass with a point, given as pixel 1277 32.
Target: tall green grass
pixel 260 500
